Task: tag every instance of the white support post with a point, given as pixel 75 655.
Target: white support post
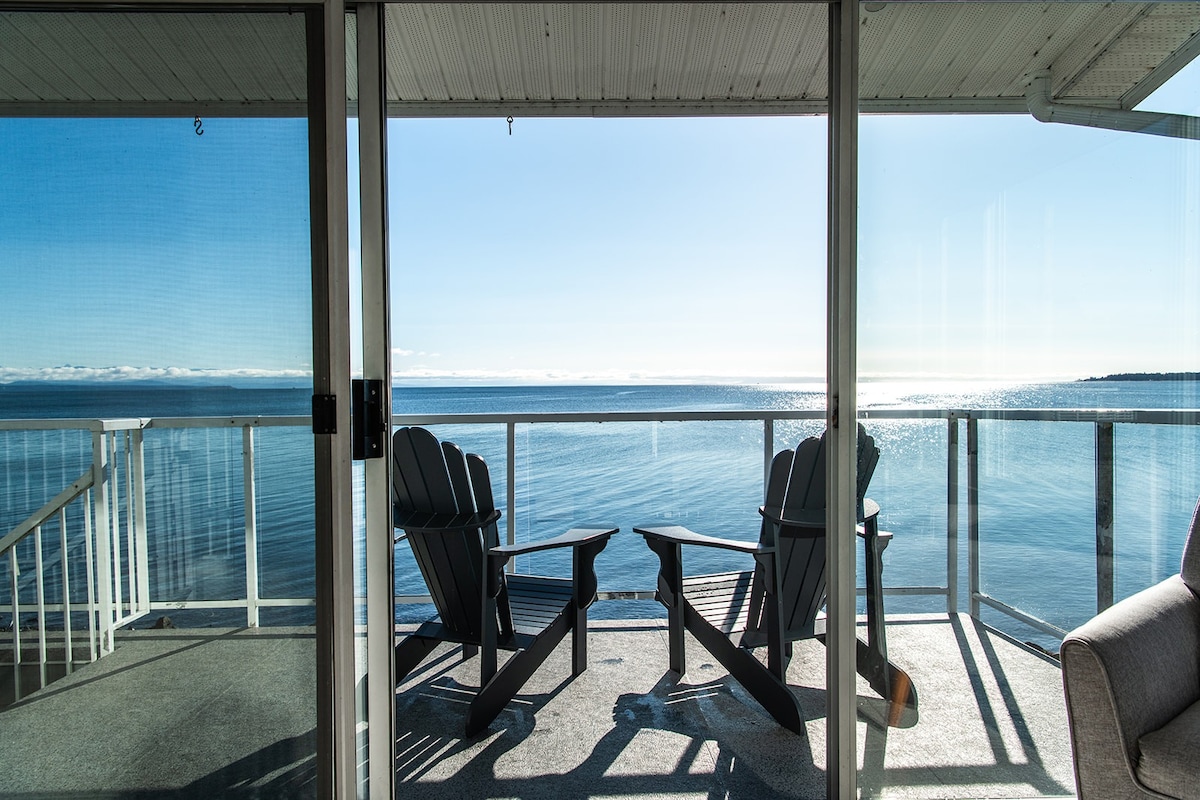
pixel 952 515
pixel 249 504
pixel 130 521
pixel 90 578
pixel 114 517
pixel 39 578
pixel 13 573
pixel 103 549
pixel 841 404
pixel 377 365
pixel 141 544
pixel 973 585
pixel 68 633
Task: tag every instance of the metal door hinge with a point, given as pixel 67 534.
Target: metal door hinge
pixel 368 423
pixel 324 413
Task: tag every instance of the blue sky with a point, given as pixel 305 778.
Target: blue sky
pixel 604 249
pixel 138 249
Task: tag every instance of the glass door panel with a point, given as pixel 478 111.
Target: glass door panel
pixel 156 475
pixel 1018 282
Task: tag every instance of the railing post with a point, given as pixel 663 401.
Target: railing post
pixel 1104 515
pixel 13 573
pixel 952 514
pixel 130 521
pixel 90 569
pixel 141 552
pixel 768 452
pixel 68 633
pixel 251 515
pixel 40 579
pixel 103 527
pixel 973 514
pixel 510 466
pixel 114 511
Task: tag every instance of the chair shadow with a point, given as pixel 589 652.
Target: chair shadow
pixel 722 745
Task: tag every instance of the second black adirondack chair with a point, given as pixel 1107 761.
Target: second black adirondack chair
pixel 778 601
pixel 443 502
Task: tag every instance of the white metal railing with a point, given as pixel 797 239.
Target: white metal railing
pixel 1103 422
pixel 253 602
pixel 104 540
pixel 768 418
pixel 1102 419
pixel 107 538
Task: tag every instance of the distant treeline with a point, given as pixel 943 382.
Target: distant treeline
pixel 1149 376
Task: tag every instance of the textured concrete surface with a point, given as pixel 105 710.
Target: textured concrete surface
pixel 173 713
pixel 992 723
pixel 207 714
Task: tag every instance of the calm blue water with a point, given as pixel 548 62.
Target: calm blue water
pixel 1036 483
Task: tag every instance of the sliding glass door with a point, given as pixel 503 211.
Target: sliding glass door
pixel 169 215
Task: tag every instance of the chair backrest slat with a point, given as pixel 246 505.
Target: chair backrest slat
pixel 438 477
pixel 797 483
pixel 460 481
pixel 481 483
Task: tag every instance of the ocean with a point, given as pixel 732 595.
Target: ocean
pixel 1036 484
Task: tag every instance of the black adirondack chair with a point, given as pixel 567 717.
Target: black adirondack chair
pixel 443 502
pixel 778 601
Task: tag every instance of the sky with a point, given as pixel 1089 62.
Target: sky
pixel 610 250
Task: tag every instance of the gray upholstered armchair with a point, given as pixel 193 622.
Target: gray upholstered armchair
pixel 1132 680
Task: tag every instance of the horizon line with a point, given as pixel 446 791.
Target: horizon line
pixel 127 375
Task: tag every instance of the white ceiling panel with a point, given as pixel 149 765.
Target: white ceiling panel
pixel 447 59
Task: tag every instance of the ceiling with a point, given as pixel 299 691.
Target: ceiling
pixel 601 59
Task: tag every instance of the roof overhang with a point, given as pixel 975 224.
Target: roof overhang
pixel 601 59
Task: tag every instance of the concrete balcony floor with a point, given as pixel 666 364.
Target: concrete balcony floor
pixel 190 713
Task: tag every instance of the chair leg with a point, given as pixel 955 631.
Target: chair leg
pixel 411 652
pixel 579 642
pixel 506 682
pixel 887 680
pixel 670 594
pixel 771 692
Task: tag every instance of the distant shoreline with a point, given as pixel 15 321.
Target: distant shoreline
pixel 1146 376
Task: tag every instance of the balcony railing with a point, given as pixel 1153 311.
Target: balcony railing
pixel 96 529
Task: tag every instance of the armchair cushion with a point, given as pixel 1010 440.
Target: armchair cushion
pixel 1168 760
pixel 1190 568
pixel 1128 673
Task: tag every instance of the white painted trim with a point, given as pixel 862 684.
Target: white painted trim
pixel 841 740
pixel 380 580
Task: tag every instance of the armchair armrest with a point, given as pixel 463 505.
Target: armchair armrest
pixel 586 544
pixel 446 523
pixel 1127 672
pixel 572 538
pixel 677 534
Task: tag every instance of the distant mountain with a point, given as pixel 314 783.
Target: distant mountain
pixel 1148 376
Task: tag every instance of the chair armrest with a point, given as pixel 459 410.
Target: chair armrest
pixel 677 534
pixel 586 544
pixel 572 538
pixel 1127 672
pixel 427 522
pixel 883 536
